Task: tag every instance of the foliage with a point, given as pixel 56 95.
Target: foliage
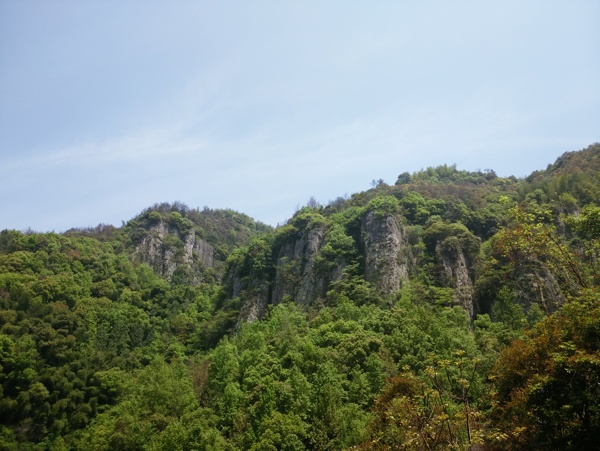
pixel 383 206
pixel 451 239
pixel 532 247
pixel 547 393
pixel 338 244
pixel 73 313
pixel 413 414
pixel 99 351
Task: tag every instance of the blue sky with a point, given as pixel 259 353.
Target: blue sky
pixel 107 107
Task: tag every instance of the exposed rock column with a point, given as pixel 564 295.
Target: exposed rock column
pixel 386 253
pixel 455 273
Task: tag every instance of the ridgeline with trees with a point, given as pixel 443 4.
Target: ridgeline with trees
pixel 451 310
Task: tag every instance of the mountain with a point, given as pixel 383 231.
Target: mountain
pixel 430 227
pixel 449 310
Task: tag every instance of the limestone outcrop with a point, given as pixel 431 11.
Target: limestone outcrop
pixel 386 252
pixel 165 249
pixel 303 273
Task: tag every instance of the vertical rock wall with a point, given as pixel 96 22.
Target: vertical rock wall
pixel 303 277
pixel 455 273
pixel 165 256
pixel 387 254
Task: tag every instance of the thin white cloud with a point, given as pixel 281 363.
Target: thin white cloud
pixel 258 107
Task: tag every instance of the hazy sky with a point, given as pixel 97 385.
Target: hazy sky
pixel 107 107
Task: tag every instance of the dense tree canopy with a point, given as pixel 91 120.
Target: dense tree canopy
pixel 283 339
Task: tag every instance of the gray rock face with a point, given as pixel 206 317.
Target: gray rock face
pixel 255 293
pixel 166 257
pixel 303 278
pixel 204 251
pixel 455 273
pixel 387 254
pixel 249 291
pixel 288 271
pixel 313 282
pixel 298 278
pixel 254 307
pixel 534 284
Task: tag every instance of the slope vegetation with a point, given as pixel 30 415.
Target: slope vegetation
pixel 450 310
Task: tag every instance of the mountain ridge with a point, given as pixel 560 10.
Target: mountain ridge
pixel 452 301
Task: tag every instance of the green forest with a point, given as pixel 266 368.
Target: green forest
pixel 452 310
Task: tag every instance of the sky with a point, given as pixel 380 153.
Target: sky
pixel 107 107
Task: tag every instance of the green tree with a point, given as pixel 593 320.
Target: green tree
pixel 547 393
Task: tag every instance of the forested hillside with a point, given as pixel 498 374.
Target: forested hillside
pixel 451 310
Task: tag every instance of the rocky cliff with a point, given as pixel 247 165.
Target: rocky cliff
pixel 166 250
pixel 299 277
pixel 387 253
pixel 456 273
pixel 454 251
pixel 305 266
pixel 252 292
